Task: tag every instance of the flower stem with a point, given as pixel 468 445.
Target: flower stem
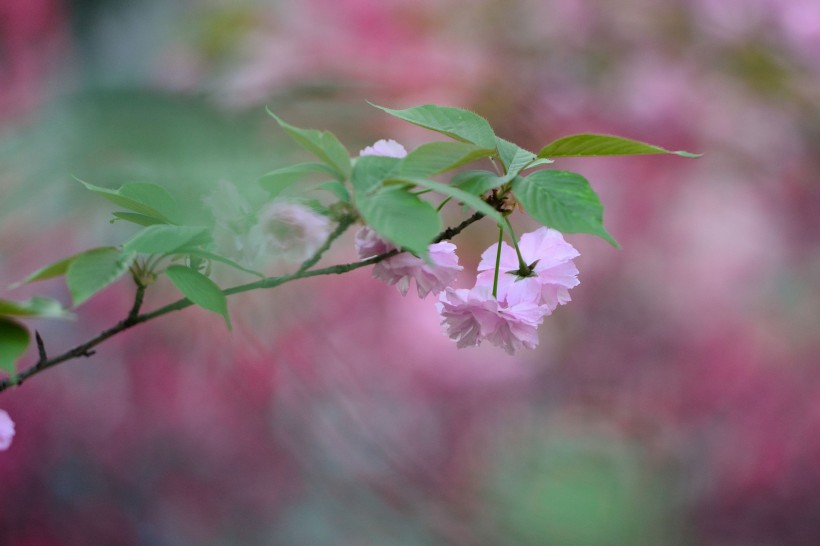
pixel 521 263
pixel 441 205
pixel 497 261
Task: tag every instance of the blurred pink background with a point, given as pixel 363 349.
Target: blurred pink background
pixel 676 400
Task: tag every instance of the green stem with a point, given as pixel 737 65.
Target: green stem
pixel 521 263
pixel 498 261
pixel 441 205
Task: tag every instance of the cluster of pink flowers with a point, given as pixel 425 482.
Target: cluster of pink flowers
pixel 508 319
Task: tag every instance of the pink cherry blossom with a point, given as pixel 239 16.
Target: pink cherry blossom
pixel 235 233
pixel 6 430
pixel 292 231
pixel 555 272
pixel 400 269
pixel 386 148
pixel 369 244
pixel 471 316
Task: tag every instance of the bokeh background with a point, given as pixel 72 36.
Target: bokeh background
pixel 676 400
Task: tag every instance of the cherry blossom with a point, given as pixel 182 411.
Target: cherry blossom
pixel 555 273
pixel 386 148
pixel 292 231
pixel 401 268
pixel 471 316
pixel 6 430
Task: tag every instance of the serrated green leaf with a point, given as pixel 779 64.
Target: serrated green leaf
pixel 562 200
pixel 476 203
pixel 221 259
pixel 322 144
pixel 165 239
pixel 602 145
pixel 437 157
pixel 14 340
pixel 456 123
pixel 515 158
pixel 540 161
pixel 396 214
pixel 36 306
pixel 136 218
pixel 92 271
pixel 477 182
pixel 278 180
pixel 201 290
pixel 129 201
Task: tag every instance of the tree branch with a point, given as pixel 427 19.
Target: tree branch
pixel 134 317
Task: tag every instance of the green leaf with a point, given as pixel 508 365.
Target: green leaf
pixel 477 182
pixel 146 199
pixel 165 239
pixel 371 171
pixel 136 218
pixel 456 123
pixel 396 214
pixel 200 290
pixel 516 158
pixel 152 195
pixel 336 188
pixel 14 339
pixel 562 200
pixel 476 203
pixel 437 157
pixel 217 258
pixel 92 271
pixel 37 306
pixel 602 145
pixel 402 218
pixel 322 144
pixel 56 269
pixel 277 181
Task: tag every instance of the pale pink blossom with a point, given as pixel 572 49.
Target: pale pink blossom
pixel 386 148
pixel 471 316
pixel 369 244
pixel 6 430
pixel 401 268
pixel 292 231
pixel 555 272
pixel 234 232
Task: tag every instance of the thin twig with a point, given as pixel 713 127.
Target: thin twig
pixel 344 223
pixel 135 318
